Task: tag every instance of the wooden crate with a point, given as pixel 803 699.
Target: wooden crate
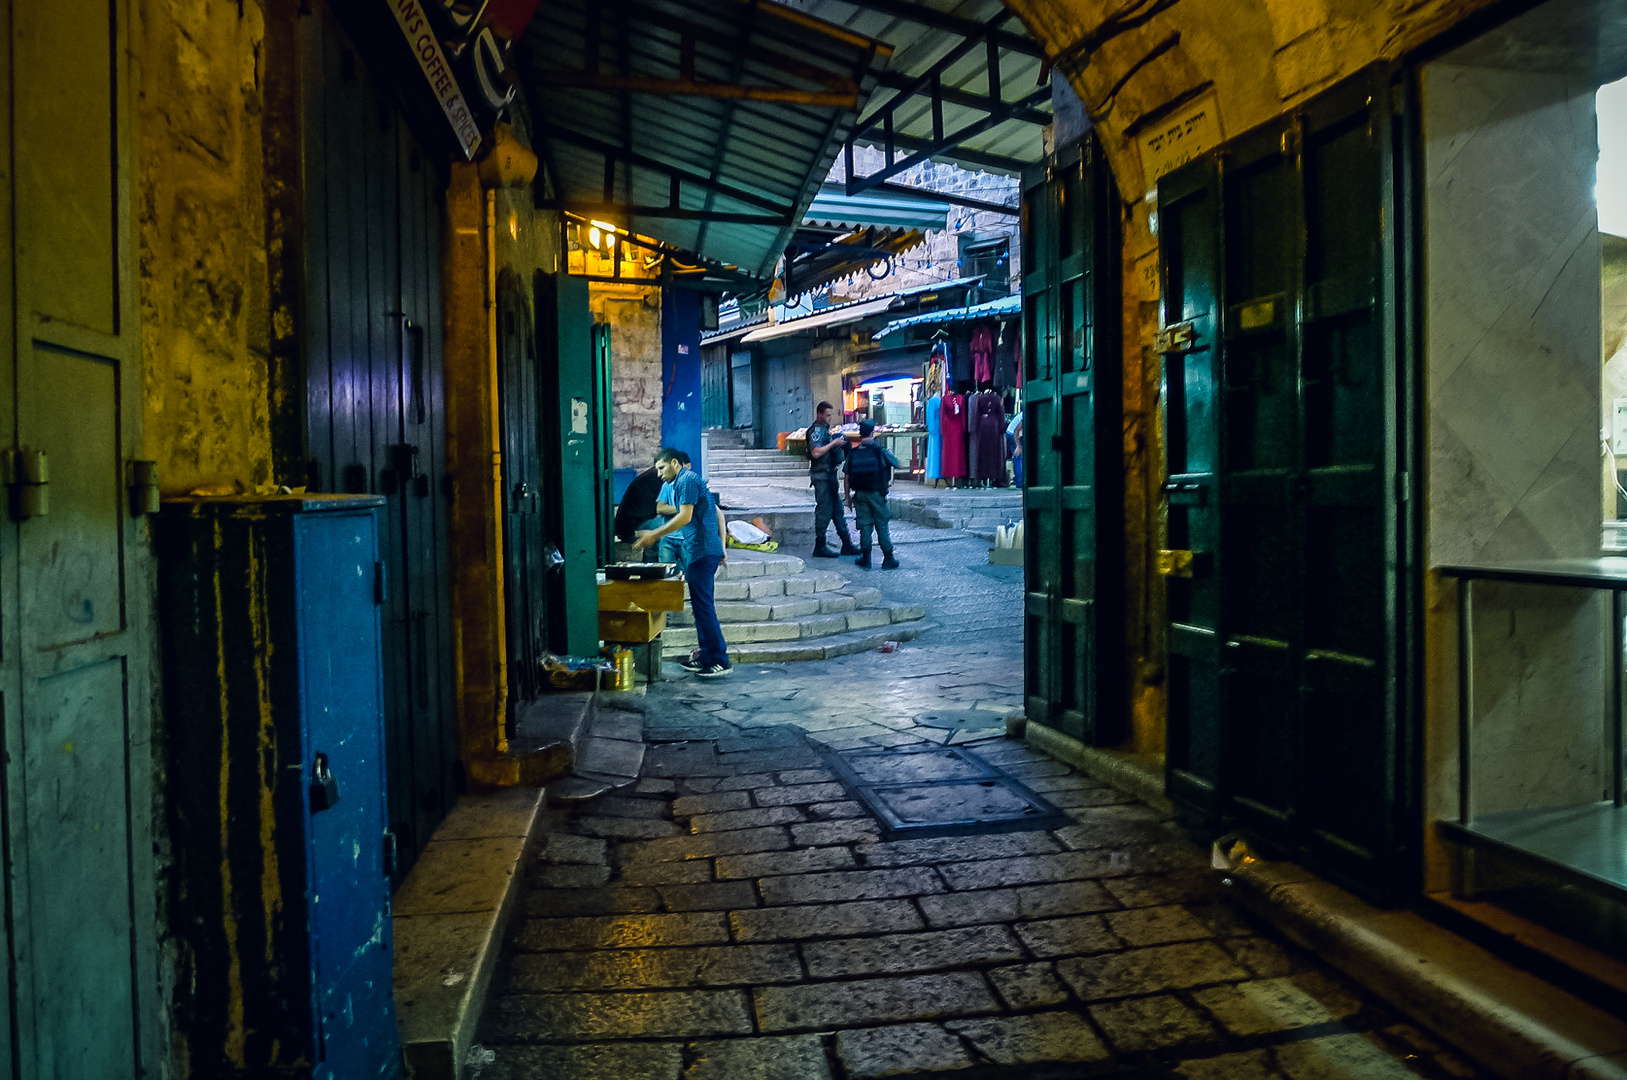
pixel 631 625
pixel 664 595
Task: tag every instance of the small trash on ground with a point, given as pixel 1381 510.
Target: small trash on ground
pixel 889 646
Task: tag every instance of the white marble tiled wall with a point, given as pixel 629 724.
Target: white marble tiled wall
pixel 1512 371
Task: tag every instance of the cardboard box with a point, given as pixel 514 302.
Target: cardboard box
pixel 631 625
pixel 1011 556
pixel 664 595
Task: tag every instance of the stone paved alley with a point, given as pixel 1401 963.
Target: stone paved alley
pixel 737 915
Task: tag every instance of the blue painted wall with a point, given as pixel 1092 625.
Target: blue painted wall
pixel 681 372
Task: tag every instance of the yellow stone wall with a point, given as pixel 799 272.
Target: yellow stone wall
pixel 205 312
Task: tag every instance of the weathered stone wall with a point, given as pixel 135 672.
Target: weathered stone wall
pixel 634 315
pixel 206 316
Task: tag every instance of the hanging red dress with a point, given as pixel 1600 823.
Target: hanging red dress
pixel 952 427
pixel 982 356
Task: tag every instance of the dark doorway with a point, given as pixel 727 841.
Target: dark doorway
pixel 375 409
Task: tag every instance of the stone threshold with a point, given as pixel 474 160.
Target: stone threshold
pixel 450 915
pixel 1512 1023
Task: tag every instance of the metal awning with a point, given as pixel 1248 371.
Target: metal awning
pixel 1004 308
pixel 829 317
pixel 832 206
pixel 706 124
pixel 966 84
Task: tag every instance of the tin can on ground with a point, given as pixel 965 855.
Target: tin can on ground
pixel 620 676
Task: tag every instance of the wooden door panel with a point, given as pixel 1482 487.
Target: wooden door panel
pixel 80 905
pixel 69 212
pixel 72 565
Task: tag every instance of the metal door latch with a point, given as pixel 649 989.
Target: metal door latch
pixel 141 477
pixel 1182 337
pixel 1174 563
pixel 28 475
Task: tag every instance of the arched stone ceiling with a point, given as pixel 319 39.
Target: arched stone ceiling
pixel 1260 56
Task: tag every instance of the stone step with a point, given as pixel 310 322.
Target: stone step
pixel 827 647
pixel 812 632
pixel 804 584
pixel 853 598
pixel 742 566
pixel 681 636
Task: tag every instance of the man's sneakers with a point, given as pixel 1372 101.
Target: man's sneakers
pixel 713 671
pixel 889 563
pixel 692 664
pixel 820 551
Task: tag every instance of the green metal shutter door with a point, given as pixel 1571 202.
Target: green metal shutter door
pixel 1073 432
pixel 1296 438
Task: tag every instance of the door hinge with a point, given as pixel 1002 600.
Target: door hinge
pixel 379 593
pixel 141 477
pixel 392 860
pixel 28 475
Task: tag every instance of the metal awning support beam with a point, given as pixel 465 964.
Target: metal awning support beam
pixel 964 98
pixel 780 95
pixel 610 210
pixel 928 150
pixel 930 83
pixel 953 200
pixel 941 20
pixel 613 153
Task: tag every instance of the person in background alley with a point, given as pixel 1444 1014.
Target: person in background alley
pixel 825 452
pixel 1014 446
pixel 699 523
pixel 869 472
pixel 647 504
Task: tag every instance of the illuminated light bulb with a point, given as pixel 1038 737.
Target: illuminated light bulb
pixel 605 225
pixel 595 237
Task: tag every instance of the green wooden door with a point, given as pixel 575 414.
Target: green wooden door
pixel 1189 251
pixel 1283 426
pixel 75 686
pixel 1072 425
pixel 525 566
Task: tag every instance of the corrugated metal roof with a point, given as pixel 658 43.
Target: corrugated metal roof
pixel 832 206
pixel 835 316
pixel 920 34
pixel 1004 307
pixel 744 170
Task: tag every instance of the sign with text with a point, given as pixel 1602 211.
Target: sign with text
pixel 1189 131
pixel 415 26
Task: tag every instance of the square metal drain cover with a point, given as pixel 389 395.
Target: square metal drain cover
pixel 940 791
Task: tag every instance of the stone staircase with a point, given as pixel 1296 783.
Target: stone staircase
pixel 975 511
pixel 729 439
pixel 773 608
pixel 724 465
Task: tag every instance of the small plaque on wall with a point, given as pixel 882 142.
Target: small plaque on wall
pixel 1176 139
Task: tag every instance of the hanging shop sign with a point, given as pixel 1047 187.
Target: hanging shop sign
pixel 449 59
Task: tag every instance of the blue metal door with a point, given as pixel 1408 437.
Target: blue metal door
pixel 339 572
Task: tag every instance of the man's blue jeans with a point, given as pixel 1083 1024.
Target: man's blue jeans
pixel 713 649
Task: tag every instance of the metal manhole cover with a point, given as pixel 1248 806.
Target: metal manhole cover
pixel 962 719
pixel 940 790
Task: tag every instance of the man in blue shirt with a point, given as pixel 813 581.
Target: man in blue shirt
pixel 699 524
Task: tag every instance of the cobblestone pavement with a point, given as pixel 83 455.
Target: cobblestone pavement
pixel 738 916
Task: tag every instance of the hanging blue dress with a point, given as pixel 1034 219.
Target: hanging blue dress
pixel 934 439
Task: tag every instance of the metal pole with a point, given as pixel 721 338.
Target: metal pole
pixel 1618 607
pixel 1465 691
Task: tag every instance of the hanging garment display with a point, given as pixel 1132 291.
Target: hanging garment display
pixel 1005 358
pixel 934 439
pixel 988 433
pixel 982 355
pixel 952 425
pixel 959 364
